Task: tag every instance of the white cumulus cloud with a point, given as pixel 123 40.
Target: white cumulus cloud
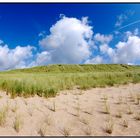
pixel 69 41
pixel 127 51
pixel 14 58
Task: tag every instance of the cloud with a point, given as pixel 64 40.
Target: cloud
pixel 69 41
pixel 136 32
pixel 102 45
pixel 14 58
pixel 42 34
pixel 103 38
pixel 43 58
pixel 127 51
pixel 96 60
pixel 105 55
pixel 123 17
pixel 124 52
pixel 120 19
pixel 105 49
pixel 1 42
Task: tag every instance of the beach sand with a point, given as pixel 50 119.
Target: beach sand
pixel 110 111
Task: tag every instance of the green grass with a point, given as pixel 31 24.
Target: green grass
pixel 46 81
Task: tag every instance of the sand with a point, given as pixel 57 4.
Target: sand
pixel 74 113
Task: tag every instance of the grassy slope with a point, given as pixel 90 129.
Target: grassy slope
pixel 80 68
pixel 48 80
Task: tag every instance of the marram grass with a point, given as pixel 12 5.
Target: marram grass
pixel 48 80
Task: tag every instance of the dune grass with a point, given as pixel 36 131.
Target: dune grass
pixel 3 114
pixel 46 81
pixel 17 123
pixel 109 127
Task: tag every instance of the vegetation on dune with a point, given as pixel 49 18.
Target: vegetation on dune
pixel 70 68
pixel 17 123
pixel 46 81
pixel 3 114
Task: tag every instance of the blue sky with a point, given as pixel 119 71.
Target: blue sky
pixel 41 34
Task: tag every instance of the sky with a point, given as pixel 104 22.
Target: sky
pixel 42 34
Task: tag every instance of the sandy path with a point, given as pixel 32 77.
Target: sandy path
pixel 75 112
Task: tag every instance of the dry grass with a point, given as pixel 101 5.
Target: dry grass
pixel 119 100
pixel 77 108
pixel 137 116
pixel 109 127
pixel 14 109
pixel 88 130
pixel 43 130
pixel 131 97
pixel 129 110
pixel 119 114
pixel 106 108
pixel 105 97
pixel 137 99
pixel 52 107
pixel 7 106
pixel 17 123
pixel 81 92
pixel 125 123
pixel 3 114
pixel 65 131
pixel 30 111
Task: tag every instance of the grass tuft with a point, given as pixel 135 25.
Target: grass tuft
pixel 137 116
pixel 109 127
pixel 125 123
pixel 129 110
pixel 65 131
pixel 52 107
pixel 119 114
pixel 3 114
pixel 17 123
pixel 106 108
pixel 88 131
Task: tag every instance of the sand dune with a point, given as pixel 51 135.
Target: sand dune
pixel 111 111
